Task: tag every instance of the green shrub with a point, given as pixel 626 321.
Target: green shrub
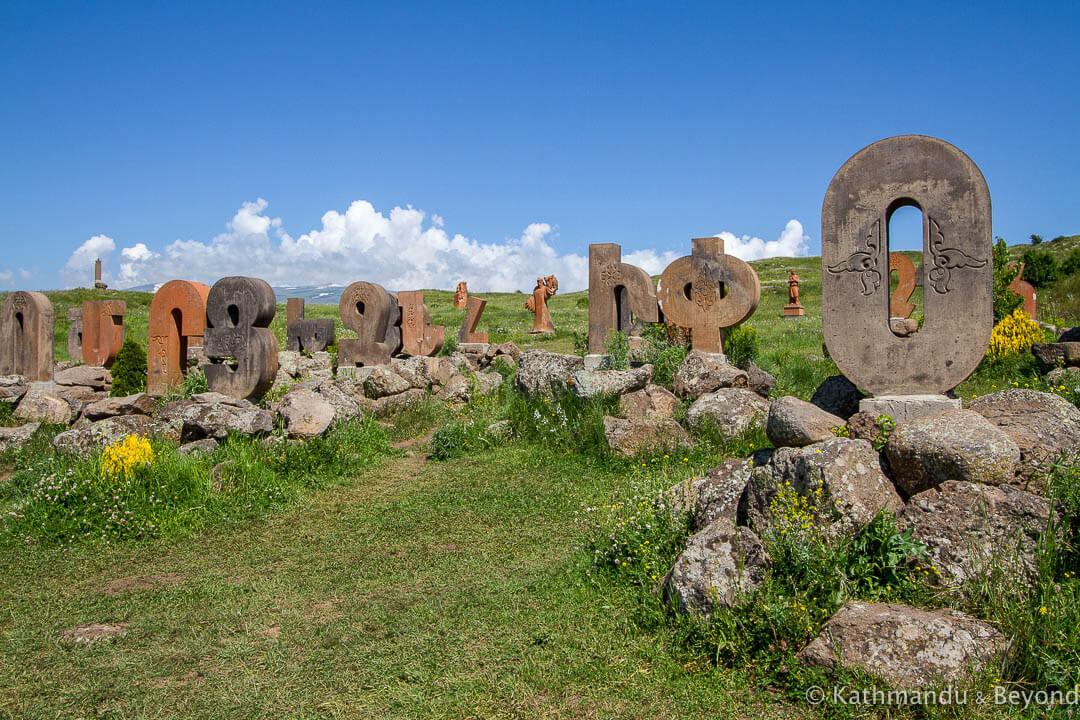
pixel 1005 300
pixel 450 345
pixel 583 302
pixel 1040 268
pixel 129 370
pixel 1071 264
pixel 454 439
pixel 741 345
pixel 617 347
pixel 664 355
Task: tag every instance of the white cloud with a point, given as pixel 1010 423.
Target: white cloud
pixel 25 274
pixel 5 276
pixel 403 249
pixel 792 243
pixel 79 269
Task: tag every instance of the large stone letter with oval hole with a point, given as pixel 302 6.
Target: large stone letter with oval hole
pixel 26 336
pixel 707 292
pixel 946 185
pixel 238 341
pixel 177 321
pixel 102 331
pixel 619 293
pixel 373 314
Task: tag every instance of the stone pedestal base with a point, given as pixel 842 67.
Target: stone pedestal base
pixel 908 407
pixel 794 311
pixel 472 348
pixel 594 362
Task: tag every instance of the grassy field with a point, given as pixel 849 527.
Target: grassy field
pixel 359 577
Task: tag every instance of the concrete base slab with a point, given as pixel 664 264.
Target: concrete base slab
pixel 908 407
pixel 472 348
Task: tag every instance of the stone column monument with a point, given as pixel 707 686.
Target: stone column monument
pixel 907 376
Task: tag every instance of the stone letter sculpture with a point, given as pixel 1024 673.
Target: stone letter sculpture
pixel 102 331
pixel 794 308
pixel 74 339
pixel 1025 290
pixel 708 291
pixel 238 340
pixel 373 314
pixel 418 336
pixel 474 309
pixel 304 334
pixel 537 305
pixel 177 321
pixel 946 185
pixel 899 307
pixel 461 295
pixel 619 293
pixel 26 336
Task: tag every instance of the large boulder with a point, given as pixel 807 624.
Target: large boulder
pixel 13 438
pixel 455 390
pixel 1052 355
pixel 298 365
pixel 841 478
pixel 970 527
pixel 96 378
pixel 732 410
pixel 652 402
pixel 908 648
pixel 215 415
pixel 101 434
pixel 137 404
pixel 1043 425
pixel 391 404
pixel 720 564
pixel 953 445
pixel 720 492
pixel 545 374
pixel 797 423
pixel 592 383
pixel 837 395
pixel 1062 377
pixel 703 372
pixel 629 437
pixel 13 387
pixel 344 394
pixel 760 381
pixel 38 406
pixel 383 382
pixel 305 413
pixel 487 383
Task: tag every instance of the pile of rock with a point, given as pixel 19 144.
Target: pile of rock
pixel 967 483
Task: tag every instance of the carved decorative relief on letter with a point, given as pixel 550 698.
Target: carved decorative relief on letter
pixel 177 321
pixel 238 337
pixel 619 295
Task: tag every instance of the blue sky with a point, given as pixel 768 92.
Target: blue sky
pixel 198 140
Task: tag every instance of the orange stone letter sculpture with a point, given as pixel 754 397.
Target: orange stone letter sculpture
pixel 467 334
pixel 177 321
pixel 619 293
pixel 708 291
pixel 537 304
pixel 238 315
pixel 102 331
pixel 899 307
pixel 26 336
pixel 373 314
pixel 461 295
pixel 1025 290
pixel 418 337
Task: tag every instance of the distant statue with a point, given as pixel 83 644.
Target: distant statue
pixel 461 297
pixel 1025 290
pixel 794 308
pixel 537 304
pixel 98 285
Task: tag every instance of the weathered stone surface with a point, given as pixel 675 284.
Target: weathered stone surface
pixel 842 478
pixel 177 323
pixel 500 430
pixel 732 410
pixel 215 415
pixel 507 350
pixel 93 632
pixel 418 336
pixel 703 372
pixel 1052 355
pixel 1043 425
pixel 719 564
pixel 619 294
pixel 308 335
pixel 298 365
pixel 652 402
pixel 37 406
pixel 545 374
pixel 720 492
pixel 689 293
pixel 681 498
pixel 903 327
pixel 242 349
pixel 955 445
pixel 488 383
pixel 970 527
pixel 383 382
pixel 414 370
pixel 97 378
pixel 958 286
pixel 13 387
pixel 456 390
pixel 796 423
pixel 760 381
pixel 101 434
pixel 343 394
pixel 102 331
pixel 629 437
pixel 198 447
pixel 837 395
pixel 305 413
pixel 74 337
pixel 26 336
pixel 592 383
pixel 373 314
pixel 137 404
pixel 902 408
pixel 1068 376
pixel 864 426
pixel 387 406
pixel 13 438
pixel 908 648
pixel 545 289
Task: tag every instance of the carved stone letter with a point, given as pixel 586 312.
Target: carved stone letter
pixel 418 337
pixel 177 321
pixel 618 293
pixel 102 331
pixel 474 309
pixel 26 336
pixel 373 314
pixel 899 307
pixel 304 334
pixel 958 280
pixel 238 338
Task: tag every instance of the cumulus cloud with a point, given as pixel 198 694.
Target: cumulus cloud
pixel 79 269
pixel 405 248
pixel 25 274
pixel 5 277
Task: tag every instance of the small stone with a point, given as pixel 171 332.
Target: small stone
pixel 593 383
pixel 13 438
pixel 703 372
pixel 99 435
pixel 387 406
pixel 86 634
pixel 500 430
pixel 137 404
pixel 720 564
pixel 760 381
pixel 383 382
pixel 456 390
pixel 732 411
pixel 630 437
pixel 545 374
pixel 652 402
pixel 488 383
pixel 97 378
pixel 720 492
pixel 37 406
pixel 796 423
pixel 13 387
pixel 198 447
pixel 305 413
